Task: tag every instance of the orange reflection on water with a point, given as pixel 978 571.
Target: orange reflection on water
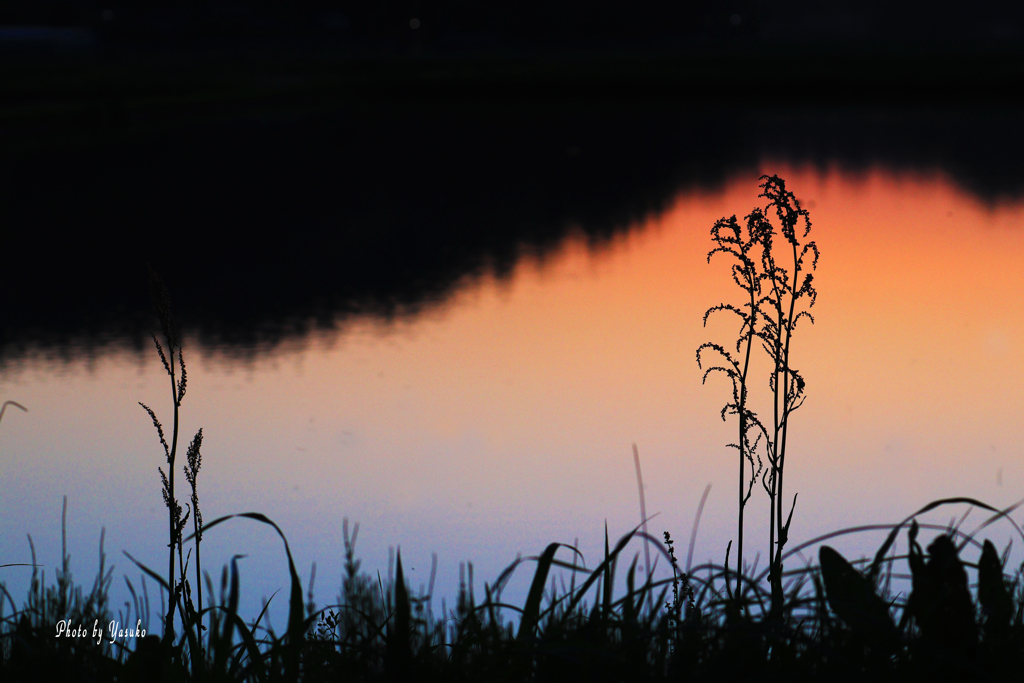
pixel 519 399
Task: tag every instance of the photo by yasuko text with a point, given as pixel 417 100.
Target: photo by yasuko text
pixel 66 630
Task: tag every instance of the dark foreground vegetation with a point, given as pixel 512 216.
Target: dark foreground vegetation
pixel 946 608
pixel 840 621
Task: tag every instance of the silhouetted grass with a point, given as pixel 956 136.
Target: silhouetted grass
pixel 840 621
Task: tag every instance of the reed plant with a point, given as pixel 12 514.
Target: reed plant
pixel 176 520
pixel 220 649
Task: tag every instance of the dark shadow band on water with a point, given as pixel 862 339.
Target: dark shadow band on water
pixel 271 220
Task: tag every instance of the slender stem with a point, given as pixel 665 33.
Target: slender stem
pixel 776 463
pixel 199 582
pixel 786 407
pixel 643 522
pixel 751 281
pixel 771 516
pixel 742 504
pixel 169 626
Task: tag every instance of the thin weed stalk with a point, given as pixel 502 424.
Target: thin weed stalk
pixel 730 240
pixel 643 519
pixel 176 522
pixel 194 461
pixel 786 289
pixel 770 313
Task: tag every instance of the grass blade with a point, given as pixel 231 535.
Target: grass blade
pixel 532 608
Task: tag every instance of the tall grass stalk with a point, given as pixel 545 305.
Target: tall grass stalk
pixel 194 461
pixel 176 522
pixel 643 518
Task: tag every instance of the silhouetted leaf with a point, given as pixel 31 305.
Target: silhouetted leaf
pixel 532 607
pixel 995 599
pixel 940 600
pixel 852 597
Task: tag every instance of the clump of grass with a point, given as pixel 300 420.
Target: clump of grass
pixel 220 648
pixel 53 635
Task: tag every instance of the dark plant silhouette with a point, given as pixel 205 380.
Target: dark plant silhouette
pixel 786 288
pixel 194 461
pixel 730 240
pixel 839 623
pixel 775 290
pixel 176 522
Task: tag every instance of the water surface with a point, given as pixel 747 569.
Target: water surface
pixel 501 418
